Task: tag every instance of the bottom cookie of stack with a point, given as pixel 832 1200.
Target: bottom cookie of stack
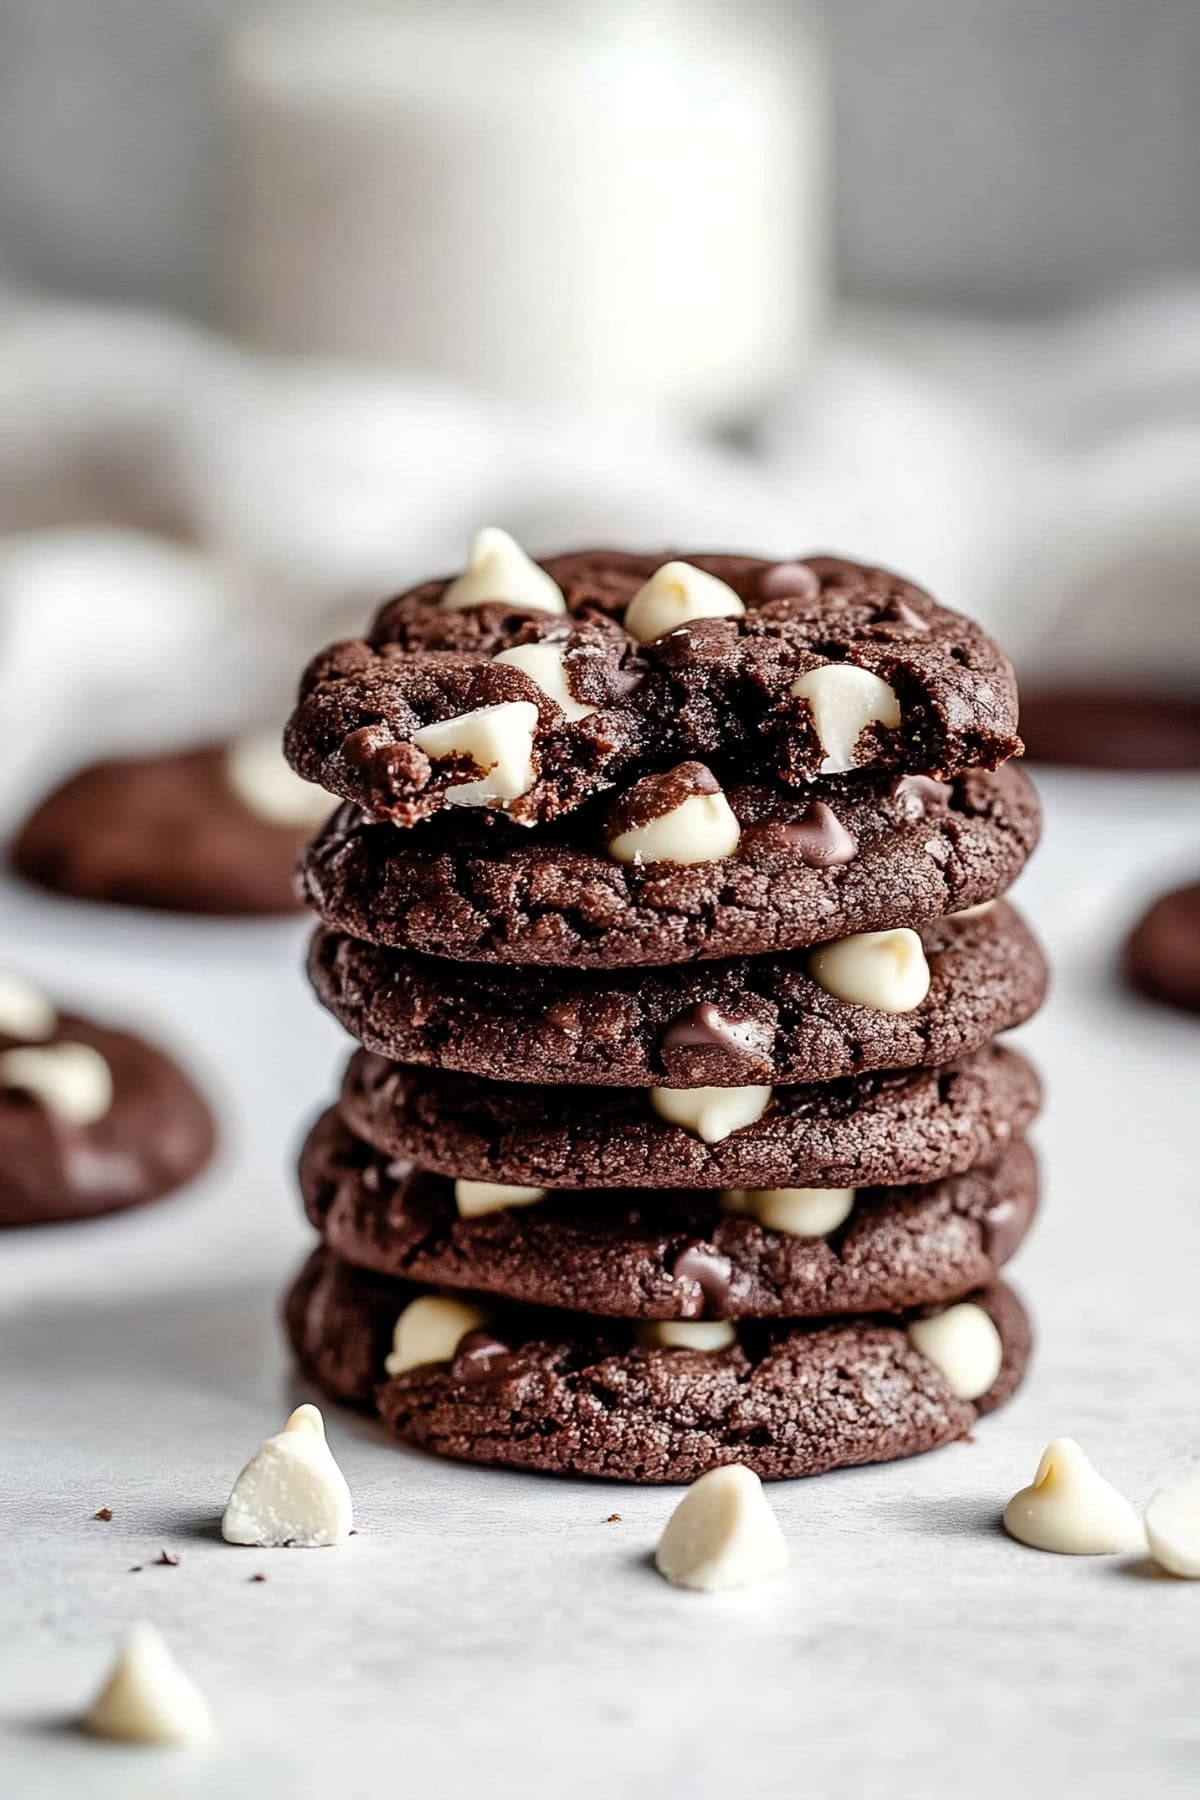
pixel 568 1393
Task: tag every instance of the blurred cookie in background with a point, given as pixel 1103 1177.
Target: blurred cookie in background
pixel 92 1119
pixel 1162 954
pixel 1097 727
pixel 210 830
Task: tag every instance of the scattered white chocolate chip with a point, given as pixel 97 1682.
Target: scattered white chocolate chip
pixel 964 1345
pixel 258 773
pixel 707 1335
pixel 291 1492
pixel 702 828
pixel 885 970
pixel 429 1330
pixel 844 700
pixel 498 569
pixel 723 1534
pixel 498 740
pixel 1071 1509
pixel 796 1212
pixel 544 665
pixel 25 1013
pixel 73 1081
pixel 147 1698
pixel 473 1198
pixel 674 595
pixel 1173 1528
pixel 712 1113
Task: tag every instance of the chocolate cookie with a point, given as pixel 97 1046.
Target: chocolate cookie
pixel 866 1129
pixel 1111 728
pixel 213 830
pixel 914 686
pixel 1162 957
pixel 855 855
pixel 721 1024
pixel 572 1395
pixel 92 1120
pixel 673 1253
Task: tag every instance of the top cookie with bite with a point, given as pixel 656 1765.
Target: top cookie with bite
pixel 529 688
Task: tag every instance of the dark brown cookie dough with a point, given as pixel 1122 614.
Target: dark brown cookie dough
pixel 572 1395
pixel 699 1024
pixel 667 1254
pixel 710 688
pixel 862 1131
pixel 1162 957
pixel 487 891
pixel 169 832
pixel 155 1134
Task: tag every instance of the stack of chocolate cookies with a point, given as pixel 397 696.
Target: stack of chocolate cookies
pixel 665 908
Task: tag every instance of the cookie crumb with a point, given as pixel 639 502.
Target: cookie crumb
pixel 613 1519
pixel 260 1577
pixel 165 1560
pixel 104 1513
pixel 136 1569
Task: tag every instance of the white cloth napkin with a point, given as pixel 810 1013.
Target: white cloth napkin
pixel 1043 478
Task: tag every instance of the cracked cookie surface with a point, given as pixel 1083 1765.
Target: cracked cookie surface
pixel 486 891
pixel 571 1395
pixel 890 1127
pixel 667 1254
pixel 711 687
pixel 760 1019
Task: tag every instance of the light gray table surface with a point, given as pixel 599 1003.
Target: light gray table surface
pixel 491 1634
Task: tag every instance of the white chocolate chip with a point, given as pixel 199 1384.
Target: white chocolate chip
pixel 498 569
pixel 796 1212
pixel 712 1113
pixel 147 1698
pixel 498 739
pixel 25 1013
pixel 974 912
pixel 429 1330
pixel 723 1534
pixel 544 665
pixel 964 1345
pixel 473 1198
pixel 675 594
pixel 706 1335
pixel 1071 1509
pixel 844 700
pixel 1173 1528
pixel 702 828
pixel 885 970
pixel 257 772
pixel 291 1491
pixel 73 1081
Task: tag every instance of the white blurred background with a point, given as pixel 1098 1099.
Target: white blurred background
pixel 292 302
pixel 291 299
